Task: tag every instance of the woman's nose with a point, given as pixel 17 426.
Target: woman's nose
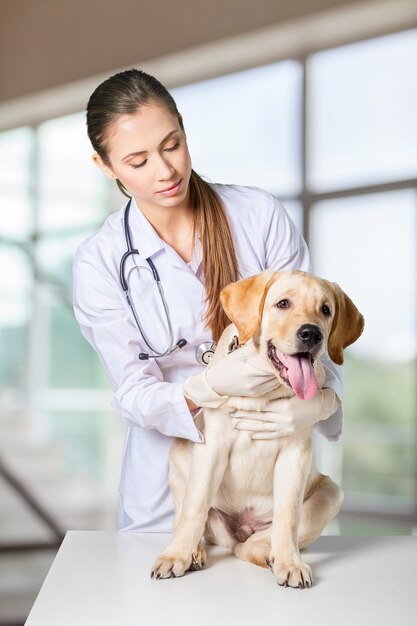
pixel 164 169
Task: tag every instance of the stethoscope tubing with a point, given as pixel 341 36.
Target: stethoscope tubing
pixel 203 352
pixel 131 252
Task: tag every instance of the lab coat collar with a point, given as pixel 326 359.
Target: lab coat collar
pixel 148 242
pixel 144 236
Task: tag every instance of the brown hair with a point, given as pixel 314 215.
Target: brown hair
pixel 125 93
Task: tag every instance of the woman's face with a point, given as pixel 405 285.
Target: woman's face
pixel 148 153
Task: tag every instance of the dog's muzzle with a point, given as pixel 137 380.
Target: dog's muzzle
pixel 296 370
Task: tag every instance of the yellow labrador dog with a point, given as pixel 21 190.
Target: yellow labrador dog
pixel 263 499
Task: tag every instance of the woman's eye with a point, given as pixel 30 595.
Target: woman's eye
pixel 144 162
pixel 173 147
pixel 139 164
pixel 283 304
pixel 325 310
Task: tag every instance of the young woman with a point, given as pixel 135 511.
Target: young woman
pixel 147 284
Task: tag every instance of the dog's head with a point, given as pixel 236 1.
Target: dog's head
pixel 293 316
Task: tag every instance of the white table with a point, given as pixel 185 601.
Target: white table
pixel 103 578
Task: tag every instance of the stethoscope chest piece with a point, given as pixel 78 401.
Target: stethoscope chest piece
pixel 205 352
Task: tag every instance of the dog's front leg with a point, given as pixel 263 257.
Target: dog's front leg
pixel 208 464
pixel 290 476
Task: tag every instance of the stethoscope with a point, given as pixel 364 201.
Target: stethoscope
pixel 204 352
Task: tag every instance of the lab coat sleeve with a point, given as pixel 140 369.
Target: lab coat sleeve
pixel 140 394
pixel 285 249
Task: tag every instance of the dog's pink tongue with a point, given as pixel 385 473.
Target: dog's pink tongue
pixel 301 376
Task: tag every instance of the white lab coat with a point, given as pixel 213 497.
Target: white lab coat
pixel 148 394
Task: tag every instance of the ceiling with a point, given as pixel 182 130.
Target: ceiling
pixel 47 43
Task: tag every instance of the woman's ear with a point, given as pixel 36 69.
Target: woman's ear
pixel 348 325
pixel 97 160
pixel 243 302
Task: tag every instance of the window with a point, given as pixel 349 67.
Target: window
pixel 54 199
pixel 362 113
pixel 367 245
pixel 362 188
pixel 244 128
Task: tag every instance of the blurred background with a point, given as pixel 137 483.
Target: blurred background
pixel 314 100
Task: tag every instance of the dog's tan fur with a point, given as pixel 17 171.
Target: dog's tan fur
pixel 231 477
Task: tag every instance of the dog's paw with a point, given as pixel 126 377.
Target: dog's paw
pixel 169 566
pixel 291 574
pixel 198 559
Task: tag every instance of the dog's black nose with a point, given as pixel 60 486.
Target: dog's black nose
pixel 310 335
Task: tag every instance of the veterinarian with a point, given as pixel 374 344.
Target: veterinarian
pixel 147 285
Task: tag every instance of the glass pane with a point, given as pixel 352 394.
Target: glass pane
pixel 367 244
pixel 59 211
pixel 72 191
pixel 362 121
pixel 72 361
pixel 65 156
pixel 81 437
pixel 13 341
pixel 243 128
pixel 55 255
pixel 15 284
pixel 15 155
pixel 16 215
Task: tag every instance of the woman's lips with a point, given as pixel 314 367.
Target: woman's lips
pixel 172 190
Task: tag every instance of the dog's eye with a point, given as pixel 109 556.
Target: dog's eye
pixel 325 309
pixel 283 304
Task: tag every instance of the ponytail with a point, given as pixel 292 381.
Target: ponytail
pixel 219 256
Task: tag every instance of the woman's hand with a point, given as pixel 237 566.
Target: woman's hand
pixel 239 373
pixel 280 418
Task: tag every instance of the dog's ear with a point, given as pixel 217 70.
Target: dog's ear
pixel 347 326
pixel 243 302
